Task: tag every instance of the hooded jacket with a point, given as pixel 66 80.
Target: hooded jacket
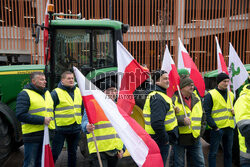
pixel 189 139
pixel 159 108
pixel 22 108
pixel 73 128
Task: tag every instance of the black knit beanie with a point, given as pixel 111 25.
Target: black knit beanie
pixel 184 81
pixel 157 74
pixel 221 77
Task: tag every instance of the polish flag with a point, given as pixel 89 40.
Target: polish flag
pixel 169 66
pixel 140 145
pixel 185 61
pixel 130 75
pixel 46 35
pixel 220 59
pixel 47 157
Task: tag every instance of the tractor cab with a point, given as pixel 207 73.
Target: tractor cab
pixel 89 45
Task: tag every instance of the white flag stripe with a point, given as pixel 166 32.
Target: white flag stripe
pixel 236 65
pixel 124 58
pixel 45 142
pixel 166 59
pixel 218 57
pixel 135 145
pixel 181 48
pixel 46 10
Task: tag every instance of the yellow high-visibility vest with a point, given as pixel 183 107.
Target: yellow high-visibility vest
pixel 221 111
pixel 106 137
pixel 41 107
pixel 195 117
pixel 242 117
pixel 170 119
pixel 196 93
pixel 244 89
pixel 68 111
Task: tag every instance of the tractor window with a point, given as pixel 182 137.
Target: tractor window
pixel 84 48
pixel 103 52
pixel 72 48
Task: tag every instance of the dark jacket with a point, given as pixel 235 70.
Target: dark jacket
pixel 208 105
pixel 74 128
pixel 188 139
pixel 22 108
pixel 159 108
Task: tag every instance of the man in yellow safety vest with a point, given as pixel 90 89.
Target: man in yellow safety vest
pixel 68 116
pixel 109 144
pixel 242 117
pixel 191 122
pixel 159 115
pixel 218 107
pixel 34 109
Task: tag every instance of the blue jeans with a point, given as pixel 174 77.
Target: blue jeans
pixel 72 143
pixel 32 154
pixel 194 155
pixel 226 136
pixel 244 162
pixel 164 149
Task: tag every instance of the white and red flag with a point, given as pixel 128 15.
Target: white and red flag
pixel 47 157
pixel 46 35
pixel 140 145
pixel 220 59
pixel 168 65
pixel 130 75
pixel 186 62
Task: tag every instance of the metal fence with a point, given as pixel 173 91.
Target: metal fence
pixel 153 24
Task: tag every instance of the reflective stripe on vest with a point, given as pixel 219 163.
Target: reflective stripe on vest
pixel 242 118
pixel 170 121
pixel 195 117
pixel 41 107
pixel 106 137
pixel 221 111
pixel 68 111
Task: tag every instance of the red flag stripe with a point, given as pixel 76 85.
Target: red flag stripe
pixel 185 61
pixel 153 158
pixel 222 67
pixel 47 157
pixel 174 80
pixel 94 111
pixel 133 76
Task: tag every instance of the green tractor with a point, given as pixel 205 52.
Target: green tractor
pixel 89 45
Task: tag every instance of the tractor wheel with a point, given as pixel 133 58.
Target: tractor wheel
pixel 5 139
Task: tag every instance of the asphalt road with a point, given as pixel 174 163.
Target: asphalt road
pixel 16 158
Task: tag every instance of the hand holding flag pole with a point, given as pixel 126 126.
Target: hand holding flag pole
pixel 179 91
pixel 91 129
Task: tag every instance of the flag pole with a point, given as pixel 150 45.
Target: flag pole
pixel 97 151
pixel 230 99
pixel 182 102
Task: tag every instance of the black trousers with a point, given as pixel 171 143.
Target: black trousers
pixel 107 161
